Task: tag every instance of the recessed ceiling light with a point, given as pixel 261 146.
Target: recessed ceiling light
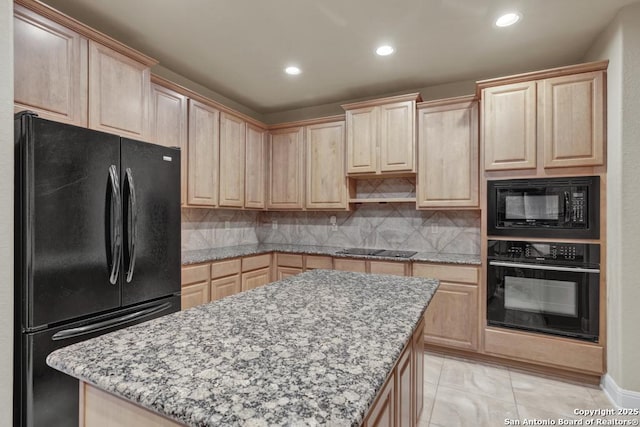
pixel 294 71
pixel 508 19
pixel 384 50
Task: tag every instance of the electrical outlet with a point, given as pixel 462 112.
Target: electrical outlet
pixel 227 225
pixel 434 228
pixel 332 220
pixel 274 224
pixel 334 227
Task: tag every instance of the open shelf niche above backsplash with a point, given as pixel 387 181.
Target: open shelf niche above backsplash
pixel 388 190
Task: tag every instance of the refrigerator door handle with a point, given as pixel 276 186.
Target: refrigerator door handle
pixel 114 226
pixel 117 321
pixel 132 225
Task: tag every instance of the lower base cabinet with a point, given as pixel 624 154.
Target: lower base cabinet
pixel 284 272
pixel 225 287
pixel 194 295
pixel 256 278
pixel 452 316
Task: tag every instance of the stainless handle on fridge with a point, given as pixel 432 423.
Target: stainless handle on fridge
pixel 116 221
pixel 132 225
pixel 544 267
pixel 99 326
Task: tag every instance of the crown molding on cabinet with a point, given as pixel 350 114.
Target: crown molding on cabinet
pixel 381 101
pixel 542 74
pixel 308 122
pixel 446 102
pixel 80 28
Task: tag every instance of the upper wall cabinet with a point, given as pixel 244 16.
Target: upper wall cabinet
pixel 118 93
pixel 232 160
pixel 255 167
pixel 556 116
pixel 50 68
pixel 286 176
pixel 68 72
pixel 448 153
pixel 204 137
pixel 168 125
pixel 325 178
pixel 381 135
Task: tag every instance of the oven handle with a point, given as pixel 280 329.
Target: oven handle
pixel 544 267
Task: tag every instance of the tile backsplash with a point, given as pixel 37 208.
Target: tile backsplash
pixel 390 226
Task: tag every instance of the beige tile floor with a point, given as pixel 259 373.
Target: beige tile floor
pixel 465 393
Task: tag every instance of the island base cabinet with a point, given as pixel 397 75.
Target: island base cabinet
pixel 383 413
pixel 101 409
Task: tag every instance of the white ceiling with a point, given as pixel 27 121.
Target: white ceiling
pixel 239 48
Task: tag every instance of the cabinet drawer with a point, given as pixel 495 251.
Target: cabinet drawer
pixel 225 268
pixel 290 260
pixel 255 262
pixel 315 261
pixel 447 273
pixel 382 267
pixel 356 265
pixel 195 274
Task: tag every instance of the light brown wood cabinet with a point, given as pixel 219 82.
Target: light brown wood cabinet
pixel 204 136
pixel 325 175
pixel 345 264
pixel 383 411
pixel 195 285
pixel 555 115
pixel 448 154
pixel 418 364
pixel 509 126
pixel 573 131
pixel 169 126
pixel 256 278
pixel 284 272
pixel 119 90
pixel 286 169
pixel 452 318
pixel 50 68
pixel 255 167
pixel 388 267
pixel 232 161
pixel 405 388
pixel 381 135
pixel 313 262
pixel 225 287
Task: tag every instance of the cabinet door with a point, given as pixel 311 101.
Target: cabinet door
pixel 169 126
pixel 196 294
pixel 226 286
pixel 509 126
pixel 286 178
pixel 50 69
pixel 572 114
pixel 405 385
pixel 362 140
pixel 232 147
pixel 256 160
pixel 452 316
pixel 397 140
pixel 284 272
pixel 256 278
pixel 383 411
pixel 326 179
pixel 448 156
pixel 202 185
pixel 418 373
pixel 118 93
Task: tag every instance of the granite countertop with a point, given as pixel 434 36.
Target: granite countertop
pixel 312 349
pixel 217 254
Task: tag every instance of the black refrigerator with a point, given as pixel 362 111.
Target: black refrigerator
pixel 97 248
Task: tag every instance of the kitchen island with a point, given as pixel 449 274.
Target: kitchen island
pixel 320 348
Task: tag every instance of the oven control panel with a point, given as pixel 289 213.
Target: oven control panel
pixel 544 252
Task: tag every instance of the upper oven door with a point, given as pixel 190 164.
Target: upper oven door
pixel 551 299
pixel 544 208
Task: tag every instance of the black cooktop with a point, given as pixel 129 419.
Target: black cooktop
pixel 377 252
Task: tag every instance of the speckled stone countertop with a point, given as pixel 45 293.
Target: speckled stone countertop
pixel 312 349
pixel 217 254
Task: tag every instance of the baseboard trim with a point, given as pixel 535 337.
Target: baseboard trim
pixel 618 396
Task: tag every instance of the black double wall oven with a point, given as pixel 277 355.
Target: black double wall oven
pixel 550 287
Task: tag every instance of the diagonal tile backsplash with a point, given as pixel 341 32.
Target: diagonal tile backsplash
pixel 389 226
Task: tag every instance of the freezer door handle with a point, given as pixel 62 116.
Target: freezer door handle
pixel 132 225
pixel 117 321
pixel 113 228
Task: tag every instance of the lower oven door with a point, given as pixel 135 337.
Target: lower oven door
pixel 556 300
